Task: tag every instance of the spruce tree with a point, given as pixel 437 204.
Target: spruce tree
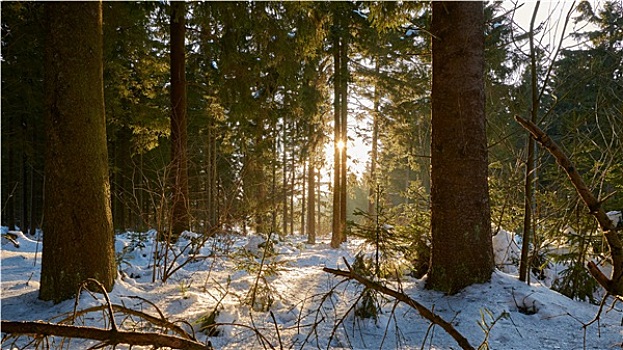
pixel 460 216
pixel 78 235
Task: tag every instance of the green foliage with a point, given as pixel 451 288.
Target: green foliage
pixel 576 283
pixel 389 245
pixel 368 305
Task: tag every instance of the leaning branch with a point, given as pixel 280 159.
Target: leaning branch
pixel 426 313
pixel 106 336
pixel 613 285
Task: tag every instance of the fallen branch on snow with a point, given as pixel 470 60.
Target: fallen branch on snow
pixel 426 313
pixel 108 337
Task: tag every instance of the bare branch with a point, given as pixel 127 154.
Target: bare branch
pixel 107 336
pixel 426 313
pixel 613 285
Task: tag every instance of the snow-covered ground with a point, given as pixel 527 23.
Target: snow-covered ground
pixel 308 307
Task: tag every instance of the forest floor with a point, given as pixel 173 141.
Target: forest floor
pixel 308 308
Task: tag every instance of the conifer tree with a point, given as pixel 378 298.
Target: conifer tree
pixel 180 214
pixel 78 239
pixel 461 234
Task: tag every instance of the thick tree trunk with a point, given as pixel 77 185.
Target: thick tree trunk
pixel 462 251
pixel 180 216
pixel 78 240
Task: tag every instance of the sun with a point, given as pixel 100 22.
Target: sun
pixel 340 145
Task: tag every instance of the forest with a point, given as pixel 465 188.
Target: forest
pixel 307 175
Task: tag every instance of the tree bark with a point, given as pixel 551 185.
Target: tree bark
pixel 78 240
pixel 180 216
pixel 462 252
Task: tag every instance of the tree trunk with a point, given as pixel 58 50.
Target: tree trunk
pixel 292 182
pixel 311 199
pixel 180 216
pixel 462 251
pixel 344 123
pixel 303 197
pixel 285 180
pixel 24 224
pixel 78 240
pixel 212 202
pixel 530 181
pixel 375 146
pixel 340 84
pixel 336 235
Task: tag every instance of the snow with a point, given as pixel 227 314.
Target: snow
pixel 308 306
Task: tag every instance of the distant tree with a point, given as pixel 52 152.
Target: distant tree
pixel 460 224
pixel 340 44
pixel 180 215
pixel 78 239
pixel 135 70
pixel 22 115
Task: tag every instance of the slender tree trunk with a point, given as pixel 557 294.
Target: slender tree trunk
pixel 78 240
pixel 375 146
pixel 462 251
pixel 180 215
pixel 336 235
pixel 344 75
pixel 285 181
pixel 319 204
pixel 11 189
pixel 24 224
pixel 311 200
pixel 212 202
pixel 303 198
pixel 292 182
pixel 529 195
